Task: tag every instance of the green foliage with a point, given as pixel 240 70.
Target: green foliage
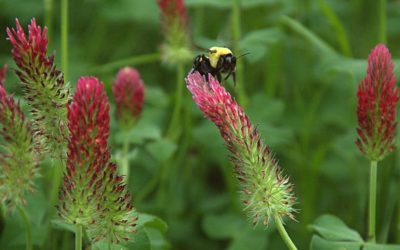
pixel 306 59
pixel 333 234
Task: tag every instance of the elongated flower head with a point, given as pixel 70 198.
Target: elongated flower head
pixel 18 159
pixel 265 192
pixel 3 71
pixel 93 195
pixel 128 90
pixel 176 48
pixel 376 110
pixel 44 87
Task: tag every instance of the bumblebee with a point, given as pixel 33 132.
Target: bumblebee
pixel 217 61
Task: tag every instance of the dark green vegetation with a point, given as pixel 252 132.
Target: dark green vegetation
pixel 298 85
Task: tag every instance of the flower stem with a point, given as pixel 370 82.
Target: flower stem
pixel 236 34
pixel 64 38
pixel 78 237
pixel 281 229
pixel 173 126
pixel 125 161
pixel 28 226
pixel 133 61
pixel 48 17
pixel 372 201
pixel 382 21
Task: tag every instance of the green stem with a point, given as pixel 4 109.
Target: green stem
pixel 78 237
pixel 133 61
pixel 125 161
pixel 236 34
pixel 281 229
pixel 372 201
pixel 382 21
pixel 28 226
pixel 64 38
pixel 175 120
pixel 48 17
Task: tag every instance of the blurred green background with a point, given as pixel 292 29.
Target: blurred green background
pixel 299 82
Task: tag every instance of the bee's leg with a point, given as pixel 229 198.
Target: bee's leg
pixel 228 75
pixel 234 80
pixel 219 78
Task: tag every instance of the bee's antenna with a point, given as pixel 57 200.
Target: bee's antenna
pixel 242 55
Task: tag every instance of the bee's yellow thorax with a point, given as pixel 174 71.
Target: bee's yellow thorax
pixel 215 53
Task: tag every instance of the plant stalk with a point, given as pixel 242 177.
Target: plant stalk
pixel 28 226
pixel 48 17
pixel 78 237
pixel 372 201
pixel 133 61
pixel 125 161
pixel 282 231
pixel 382 21
pixel 236 34
pixel 176 113
pixel 64 38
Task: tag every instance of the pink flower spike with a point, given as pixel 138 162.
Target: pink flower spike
pixel 93 195
pixel 376 110
pixel 265 192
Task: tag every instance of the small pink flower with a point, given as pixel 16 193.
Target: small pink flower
pixel 376 110
pixel 265 192
pixel 128 90
pixel 28 49
pixel 173 10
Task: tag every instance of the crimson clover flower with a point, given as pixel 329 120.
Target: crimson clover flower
pixel 44 87
pixel 376 110
pixel 176 48
pixel 265 191
pixel 93 195
pixel 128 90
pixel 18 158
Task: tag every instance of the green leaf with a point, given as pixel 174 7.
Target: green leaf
pixel 142 131
pixel 162 149
pixel 151 221
pixel 149 236
pixel 256 43
pixel 61 224
pixel 140 242
pixel 332 228
pixel 225 4
pixel 250 238
pixel 318 243
pixel 269 110
pixel 258 3
pixel 222 4
pixel 223 226
pixel 206 135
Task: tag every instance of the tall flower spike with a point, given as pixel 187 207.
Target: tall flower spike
pixel 265 192
pixel 44 87
pixel 18 161
pixel 176 48
pixel 93 195
pixel 376 110
pixel 128 90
